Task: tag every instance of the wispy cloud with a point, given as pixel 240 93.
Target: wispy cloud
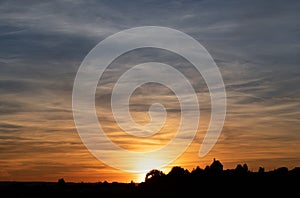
pixel 255 44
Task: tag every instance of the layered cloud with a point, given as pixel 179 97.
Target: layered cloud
pixel 255 44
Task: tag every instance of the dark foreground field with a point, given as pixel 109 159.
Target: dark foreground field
pixel 212 181
pixel 237 187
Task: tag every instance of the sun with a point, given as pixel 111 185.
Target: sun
pixel 139 178
pixel 146 166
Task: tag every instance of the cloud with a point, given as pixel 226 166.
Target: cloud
pixel 255 44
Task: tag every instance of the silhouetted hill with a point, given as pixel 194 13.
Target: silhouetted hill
pixel 238 182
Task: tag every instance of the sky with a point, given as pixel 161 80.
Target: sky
pixel 255 44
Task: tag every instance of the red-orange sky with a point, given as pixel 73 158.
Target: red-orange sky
pixel 255 45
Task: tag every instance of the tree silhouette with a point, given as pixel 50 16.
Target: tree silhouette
pixel 261 170
pixel 177 171
pixel 241 169
pixel 153 175
pixel 61 181
pixel 245 167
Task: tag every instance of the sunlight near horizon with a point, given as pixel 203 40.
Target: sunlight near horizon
pixel 102 92
pixel 147 165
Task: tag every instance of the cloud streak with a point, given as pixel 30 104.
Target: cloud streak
pixel 255 44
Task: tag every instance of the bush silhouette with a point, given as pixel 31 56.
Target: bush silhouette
pixel 61 181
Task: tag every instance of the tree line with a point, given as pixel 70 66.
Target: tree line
pixel 229 182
